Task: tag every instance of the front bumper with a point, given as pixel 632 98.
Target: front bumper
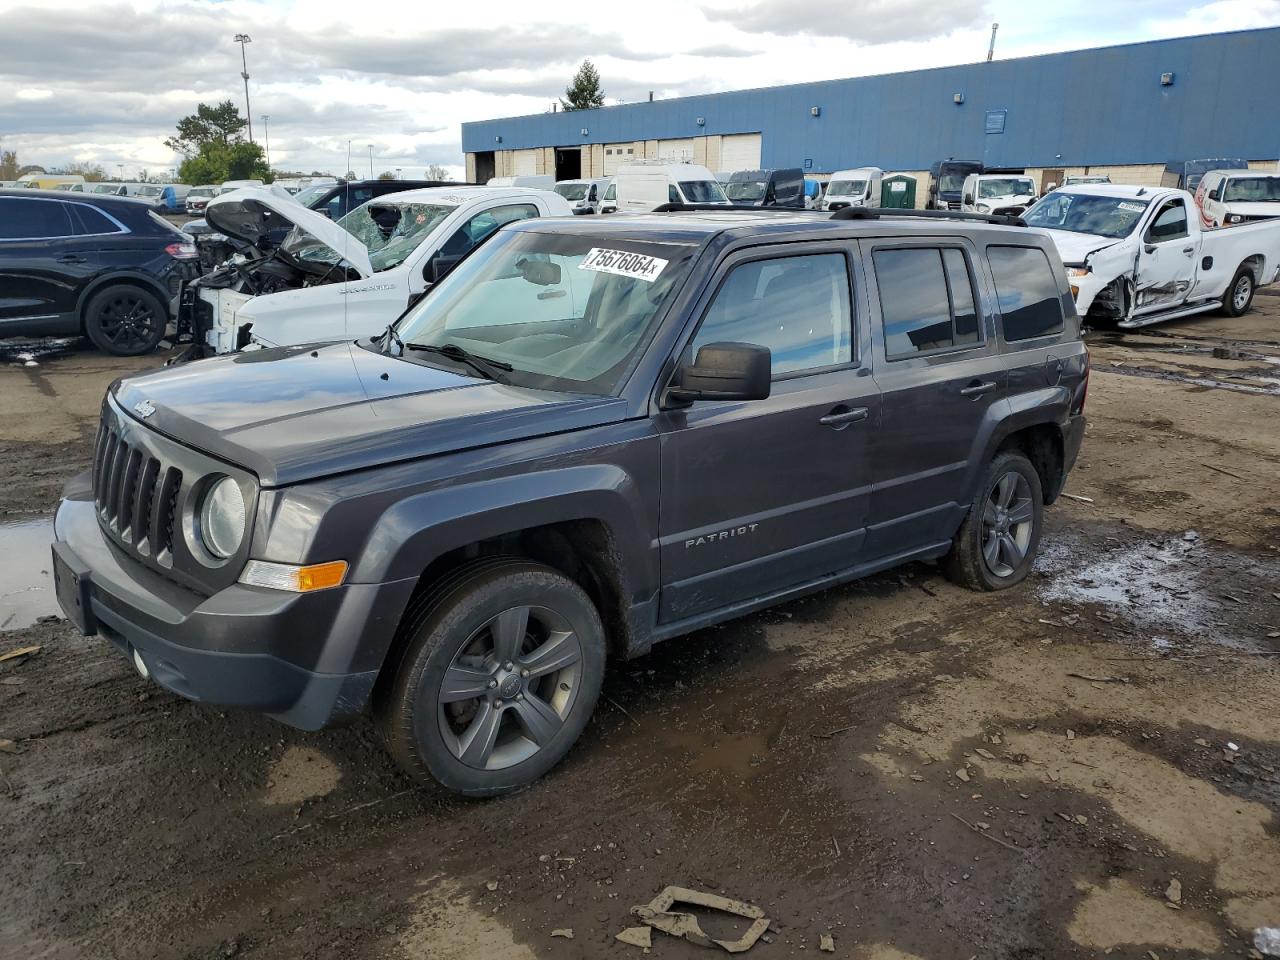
pixel 309 660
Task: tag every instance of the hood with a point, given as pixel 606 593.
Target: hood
pixel 251 213
pixel 297 413
pixel 1075 247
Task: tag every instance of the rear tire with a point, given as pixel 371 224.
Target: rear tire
pixel 125 321
pixel 502 671
pixel 1000 536
pixel 1239 296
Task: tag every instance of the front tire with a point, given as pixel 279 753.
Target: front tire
pixel 1239 296
pixel 501 675
pixel 125 321
pixel 1000 536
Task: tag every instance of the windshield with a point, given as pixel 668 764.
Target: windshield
pixel 200 192
pixel 390 231
pixel 106 188
pixel 1005 187
pixel 566 311
pixel 702 191
pixel 951 182
pixel 746 189
pixel 1252 189
pixel 149 192
pixel 1112 217
pixel 571 191
pixel 847 188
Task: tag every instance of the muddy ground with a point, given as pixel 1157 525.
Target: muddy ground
pixel 912 769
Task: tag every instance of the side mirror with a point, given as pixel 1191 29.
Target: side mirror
pixel 437 267
pixel 968 198
pixel 724 371
pixel 1050 187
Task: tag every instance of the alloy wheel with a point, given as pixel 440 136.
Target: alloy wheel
pixel 1008 517
pixel 509 689
pixel 128 321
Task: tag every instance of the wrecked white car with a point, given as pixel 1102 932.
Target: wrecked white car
pixel 1138 255
pixel 339 281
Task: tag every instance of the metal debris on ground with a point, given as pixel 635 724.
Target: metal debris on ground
pixel 1267 941
pixel 657 913
pixel 636 937
pixel 1072 496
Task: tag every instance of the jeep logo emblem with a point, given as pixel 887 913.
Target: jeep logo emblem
pixel 144 409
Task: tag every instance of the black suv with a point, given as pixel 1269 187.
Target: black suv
pixel 590 436
pixel 106 267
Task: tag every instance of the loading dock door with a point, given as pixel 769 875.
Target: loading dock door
pixel 676 149
pixel 740 151
pixel 568 163
pixel 526 163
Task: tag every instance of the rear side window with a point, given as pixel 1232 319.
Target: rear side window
pixel 926 300
pixel 1030 303
pixel 798 307
pixel 92 221
pixel 23 219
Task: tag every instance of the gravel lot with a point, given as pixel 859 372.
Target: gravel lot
pixel 915 770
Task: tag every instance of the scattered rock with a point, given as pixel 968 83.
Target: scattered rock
pixel 827 943
pixel 637 937
pixel 963 775
pixel 8 746
pixel 985 754
pixel 564 932
pixel 1174 891
pixel 491 886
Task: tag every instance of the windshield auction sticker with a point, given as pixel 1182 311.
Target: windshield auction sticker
pixel 1132 207
pixel 638 266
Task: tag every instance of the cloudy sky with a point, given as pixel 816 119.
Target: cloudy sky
pixel 105 81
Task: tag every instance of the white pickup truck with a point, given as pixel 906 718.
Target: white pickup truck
pixel 340 281
pixel 1138 255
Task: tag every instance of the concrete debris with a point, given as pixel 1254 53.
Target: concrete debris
pixel 565 932
pixel 636 937
pixel 659 915
pixel 1174 891
pixel 963 775
pixel 827 943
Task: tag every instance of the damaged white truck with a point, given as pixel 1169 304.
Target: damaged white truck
pixel 1138 255
pixel 332 281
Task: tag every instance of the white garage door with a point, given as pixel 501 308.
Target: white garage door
pixel 526 162
pixel 676 149
pixel 740 151
pixel 618 153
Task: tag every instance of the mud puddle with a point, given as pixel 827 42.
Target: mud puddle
pixel 1265 385
pixel 29 351
pixel 1169 588
pixel 26 584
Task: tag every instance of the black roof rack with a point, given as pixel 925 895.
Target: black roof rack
pixel 875 213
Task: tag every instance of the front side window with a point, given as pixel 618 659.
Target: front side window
pixel 567 311
pixel 927 301
pixel 1170 223
pixel 477 229
pixel 798 307
pixel 612 192
pixel 673 195
pixel 1030 303
pixel 23 219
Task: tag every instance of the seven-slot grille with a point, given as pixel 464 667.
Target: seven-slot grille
pixel 136 495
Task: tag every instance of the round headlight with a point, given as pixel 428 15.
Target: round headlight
pixel 222 517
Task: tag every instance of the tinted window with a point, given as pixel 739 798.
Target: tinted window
pixel 1170 223
pixel 93 221
pixel 23 219
pixel 1030 303
pixel 798 307
pixel 926 300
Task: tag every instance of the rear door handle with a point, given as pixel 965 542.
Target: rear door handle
pixel 70 258
pixel 977 389
pixel 842 418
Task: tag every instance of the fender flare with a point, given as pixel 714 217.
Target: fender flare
pixel 134 278
pixel 1035 408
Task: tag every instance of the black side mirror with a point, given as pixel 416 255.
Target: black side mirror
pixel 437 267
pixel 968 198
pixel 724 371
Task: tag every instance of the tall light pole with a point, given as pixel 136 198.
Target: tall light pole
pixel 266 134
pixel 242 39
pixel 371 161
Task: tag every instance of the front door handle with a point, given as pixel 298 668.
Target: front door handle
pixel 1188 250
pixel 70 258
pixel 977 389
pixel 842 418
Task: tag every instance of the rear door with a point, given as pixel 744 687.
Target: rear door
pixel 43 266
pixel 942 381
pixel 1167 261
pixel 764 495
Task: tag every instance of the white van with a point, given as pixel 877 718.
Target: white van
pixel 230 185
pixel 858 187
pixel 644 185
pixel 585 196
pixel 538 182
pixel 1227 198
pixel 1000 194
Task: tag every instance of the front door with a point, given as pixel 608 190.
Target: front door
pixel 1167 262
pixel 763 495
pixel 940 375
pixel 43 264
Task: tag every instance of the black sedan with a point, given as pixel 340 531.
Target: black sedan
pixel 106 267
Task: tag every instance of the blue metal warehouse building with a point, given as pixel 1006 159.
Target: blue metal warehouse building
pixel 1124 110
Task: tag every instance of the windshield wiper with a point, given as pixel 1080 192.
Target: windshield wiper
pixel 482 365
pixel 389 336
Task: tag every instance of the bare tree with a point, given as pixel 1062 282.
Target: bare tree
pixel 437 172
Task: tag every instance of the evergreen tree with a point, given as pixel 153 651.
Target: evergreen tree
pixel 584 92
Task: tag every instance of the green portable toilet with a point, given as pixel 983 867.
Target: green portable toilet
pixel 898 191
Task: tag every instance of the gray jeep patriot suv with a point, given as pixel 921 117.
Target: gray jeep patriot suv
pixel 589 437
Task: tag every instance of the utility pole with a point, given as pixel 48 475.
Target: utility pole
pixel 266 134
pixel 242 39
pixel 991 50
